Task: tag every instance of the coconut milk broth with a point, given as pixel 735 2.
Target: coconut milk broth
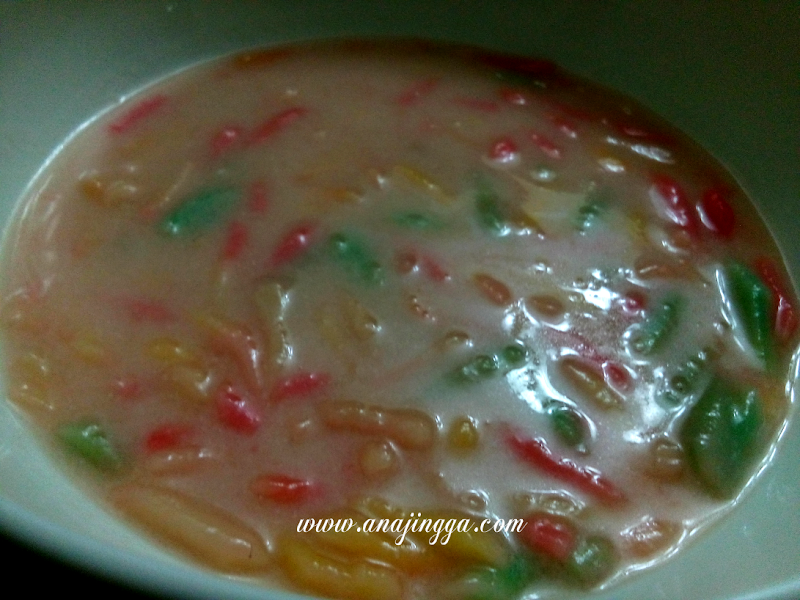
pixel 350 140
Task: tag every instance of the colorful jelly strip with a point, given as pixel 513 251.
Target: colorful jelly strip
pixel 356 258
pixel 535 452
pixel 485 366
pixel 752 301
pixel 659 325
pixel 199 213
pixel 721 435
pixel 90 441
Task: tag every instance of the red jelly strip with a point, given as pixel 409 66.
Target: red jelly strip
pixel 167 437
pixel 126 388
pixel 577 342
pixel 146 310
pixel 640 133
pixel 282 488
pixel 34 290
pixel 535 452
pixel 573 112
pixel 258 197
pixel 551 535
pixel 433 270
pixel 564 126
pixel 242 346
pixel 546 145
pixel 517 97
pixel 236 241
pixel 675 203
pixel 417 91
pixel 138 113
pixel 276 124
pixel 716 213
pixel 299 385
pixel 225 139
pixel 504 150
pixel 293 244
pixel 633 302
pixel 783 312
pixel 616 375
pixel 477 104
pixel 235 412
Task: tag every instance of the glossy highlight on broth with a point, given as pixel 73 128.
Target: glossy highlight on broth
pixel 403 283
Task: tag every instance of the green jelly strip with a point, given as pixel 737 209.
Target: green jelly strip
pixel 752 302
pixel 593 560
pixel 567 423
pixel 418 221
pixel 658 327
pixel 485 366
pixel 199 212
pixel 88 440
pixel 721 436
pixel 356 258
pixel 488 212
pixel 684 382
pixel 484 583
pixel 592 211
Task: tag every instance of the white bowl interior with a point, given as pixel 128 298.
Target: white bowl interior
pixel 724 73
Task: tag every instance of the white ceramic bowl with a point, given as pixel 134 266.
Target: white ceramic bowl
pixel 726 73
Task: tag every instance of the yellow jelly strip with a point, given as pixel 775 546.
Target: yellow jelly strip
pixel 492 289
pixel 334 577
pixel 272 301
pixel 557 503
pixel 545 305
pixel 32 366
pixel 468 545
pixel 332 329
pixel 88 348
pixel 589 383
pixel 379 508
pixel 171 352
pixel 344 195
pixel 463 435
pixel 348 324
pixel 178 462
pixel 201 530
pixel 17 313
pixel 611 164
pixel 637 227
pixel 30 377
pixel 103 193
pixel 650 536
pixel 378 459
pixel 454 339
pixel 411 429
pixel 190 382
pixel 552 210
pixel 419 309
pixel 238 342
pixel 422 182
pixel 360 321
pixel 658 265
pixel 410 556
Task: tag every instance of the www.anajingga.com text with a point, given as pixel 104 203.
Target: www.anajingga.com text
pixel 441 529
